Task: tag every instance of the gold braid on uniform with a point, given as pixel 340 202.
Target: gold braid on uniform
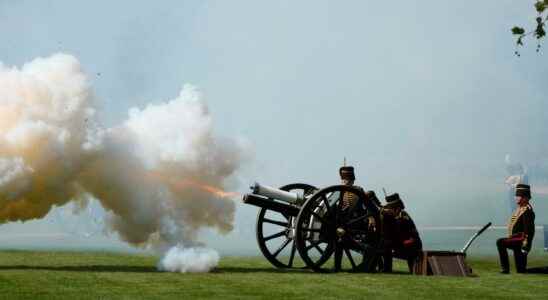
pixel 515 216
pixel 349 200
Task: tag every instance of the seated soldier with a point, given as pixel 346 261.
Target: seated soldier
pixel 521 230
pixel 400 237
pixel 349 209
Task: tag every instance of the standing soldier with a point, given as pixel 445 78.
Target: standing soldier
pixel 399 233
pixel 521 230
pixel 351 208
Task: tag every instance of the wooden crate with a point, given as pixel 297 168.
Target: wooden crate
pixel 448 263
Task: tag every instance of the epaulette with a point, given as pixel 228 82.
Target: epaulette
pixel 404 215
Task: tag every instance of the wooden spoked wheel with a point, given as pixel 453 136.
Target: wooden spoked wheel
pixel 332 235
pixel 275 231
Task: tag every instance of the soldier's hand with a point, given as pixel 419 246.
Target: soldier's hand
pixel 409 242
pixel 372 226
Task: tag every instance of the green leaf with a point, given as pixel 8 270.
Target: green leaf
pixel 540 6
pixel 518 30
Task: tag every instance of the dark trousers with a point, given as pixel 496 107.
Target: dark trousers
pixel 410 255
pixel 520 258
pixel 370 259
pixel 369 255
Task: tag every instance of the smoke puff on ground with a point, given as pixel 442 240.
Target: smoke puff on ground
pixel 189 260
pixel 53 151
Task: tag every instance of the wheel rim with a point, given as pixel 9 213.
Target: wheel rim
pixel 323 231
pixel 275 232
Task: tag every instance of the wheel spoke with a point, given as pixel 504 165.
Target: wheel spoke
pixel 322 219
pixel 281 247
pixel 279 230
pixel 326 201
pixel 292 255
pixel 319 249
pixel 276 235
pixel 312 229
pixel 314 244
pixel 279 223
pixel 349 255
pixel 286 216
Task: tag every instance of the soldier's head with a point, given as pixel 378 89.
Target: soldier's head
pixel 523 194
pixel 394 203
pixel 347 175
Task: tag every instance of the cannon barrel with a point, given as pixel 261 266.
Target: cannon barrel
pixel 263 202
pixel 286 201
pixel 274 193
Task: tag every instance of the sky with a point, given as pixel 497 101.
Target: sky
pixel 424 99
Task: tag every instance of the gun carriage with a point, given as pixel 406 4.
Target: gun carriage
pixel 300 218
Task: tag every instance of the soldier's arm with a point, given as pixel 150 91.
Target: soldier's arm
pixel 528 227
pixel 372 210
pixel 411 225
pixel 371 198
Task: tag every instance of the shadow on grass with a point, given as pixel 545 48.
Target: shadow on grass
pixel 291 271
pixel 91 268
pixel 151 269
pixel 538 270
pixel 259 270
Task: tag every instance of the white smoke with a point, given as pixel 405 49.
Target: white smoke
pixel 189 260
pixel 153 174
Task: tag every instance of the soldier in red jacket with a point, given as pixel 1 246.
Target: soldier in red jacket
pixel 400 237
pixel 521 230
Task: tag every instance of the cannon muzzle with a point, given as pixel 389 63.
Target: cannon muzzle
pixel 274 193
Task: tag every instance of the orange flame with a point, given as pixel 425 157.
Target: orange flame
pixel 190 183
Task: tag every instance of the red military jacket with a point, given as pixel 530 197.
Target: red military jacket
pixel 399 230
pixel 522 225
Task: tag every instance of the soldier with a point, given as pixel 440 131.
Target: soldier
pixel 350 208
pixel 350 199
pixel 400 237
pixel 521 230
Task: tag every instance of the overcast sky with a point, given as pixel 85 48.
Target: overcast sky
pixel 424 98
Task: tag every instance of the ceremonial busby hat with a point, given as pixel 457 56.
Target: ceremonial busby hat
pixel 523 190
pixel 393 201
pixel 347 172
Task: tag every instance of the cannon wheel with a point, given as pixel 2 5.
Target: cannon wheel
pixel 320 228
pixel 284 229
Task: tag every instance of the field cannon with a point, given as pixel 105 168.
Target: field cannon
pixel 327 230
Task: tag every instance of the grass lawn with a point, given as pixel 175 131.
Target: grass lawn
pixel 90 275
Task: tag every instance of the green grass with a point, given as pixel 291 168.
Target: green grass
pixel 88 275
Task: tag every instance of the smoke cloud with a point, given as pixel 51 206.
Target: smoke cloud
pixel 153 173
pixel 192 260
